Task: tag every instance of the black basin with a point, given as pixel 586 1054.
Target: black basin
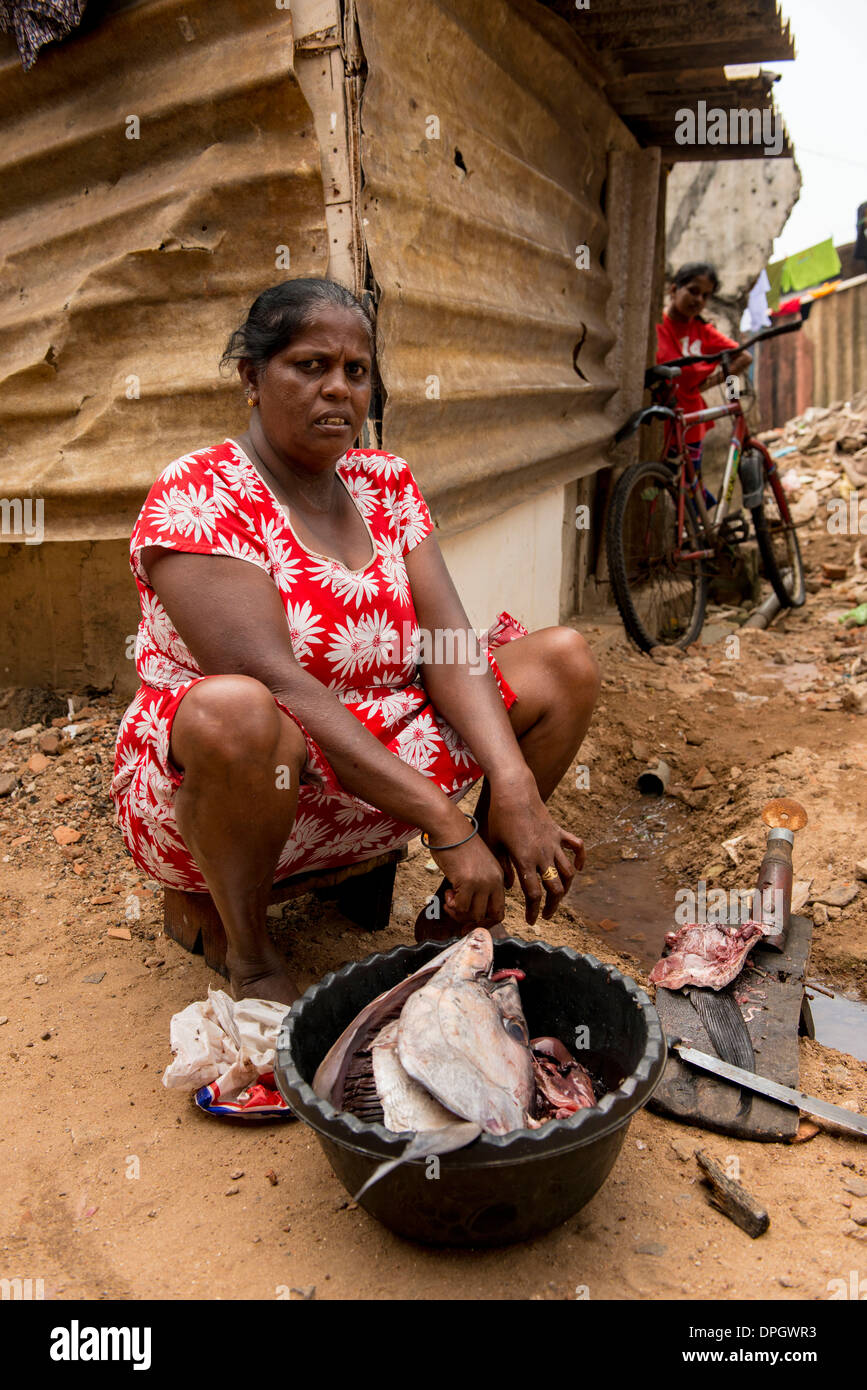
pixel 502 1188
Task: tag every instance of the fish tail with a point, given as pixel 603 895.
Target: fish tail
pixel 424 1144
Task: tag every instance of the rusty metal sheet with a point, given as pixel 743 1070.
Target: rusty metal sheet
pixel 125 263
pixel 484 155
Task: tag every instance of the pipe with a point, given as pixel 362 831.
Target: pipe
pixel 764 615
pixel 654 779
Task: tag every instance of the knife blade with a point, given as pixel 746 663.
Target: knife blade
pixel 811 1105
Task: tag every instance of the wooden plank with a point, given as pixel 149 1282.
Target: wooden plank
pixel 769 991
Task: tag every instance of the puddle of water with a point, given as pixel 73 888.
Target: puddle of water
pixel 840 1022
pixel 791 672
pixel 627 904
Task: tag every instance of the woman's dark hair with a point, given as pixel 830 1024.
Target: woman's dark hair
pixel 691 270
pixel 280 313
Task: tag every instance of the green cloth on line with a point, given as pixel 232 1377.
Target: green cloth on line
pixel 805 268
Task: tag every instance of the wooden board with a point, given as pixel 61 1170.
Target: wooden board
pixel 769 991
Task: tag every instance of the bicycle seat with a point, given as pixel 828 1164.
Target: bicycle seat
pixel 654 375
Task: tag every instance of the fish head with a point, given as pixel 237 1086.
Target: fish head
pixel 473 957
pixel 507 998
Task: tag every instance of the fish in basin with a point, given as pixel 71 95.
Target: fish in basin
pixel 446 1054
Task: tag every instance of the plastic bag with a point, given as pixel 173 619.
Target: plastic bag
pixel 220 1043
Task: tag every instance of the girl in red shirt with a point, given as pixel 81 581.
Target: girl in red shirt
pixel 682 333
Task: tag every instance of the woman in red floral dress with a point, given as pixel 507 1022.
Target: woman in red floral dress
pixel 311 690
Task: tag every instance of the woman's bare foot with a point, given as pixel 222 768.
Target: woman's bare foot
pixel 264 977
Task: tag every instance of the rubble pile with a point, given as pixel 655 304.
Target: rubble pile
pixel 821 454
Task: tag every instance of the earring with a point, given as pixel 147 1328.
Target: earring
pixel 251 400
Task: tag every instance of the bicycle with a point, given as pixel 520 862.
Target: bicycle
pixel 662 536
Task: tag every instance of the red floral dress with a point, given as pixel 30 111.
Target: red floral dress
pixel 354 630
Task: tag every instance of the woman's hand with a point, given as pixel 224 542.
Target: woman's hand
pixel 522 832
pixel 477 897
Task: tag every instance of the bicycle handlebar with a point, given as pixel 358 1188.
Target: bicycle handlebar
pixel 739 347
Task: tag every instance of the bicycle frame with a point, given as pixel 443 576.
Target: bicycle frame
pixel 675 432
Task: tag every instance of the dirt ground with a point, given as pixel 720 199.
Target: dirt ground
pixel 117 1188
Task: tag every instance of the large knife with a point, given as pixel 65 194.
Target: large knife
pixel 811 1105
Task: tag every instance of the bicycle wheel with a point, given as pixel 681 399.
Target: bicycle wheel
pixel 778 544
pixel 661 600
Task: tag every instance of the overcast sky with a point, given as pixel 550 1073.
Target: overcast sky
pixel 823 99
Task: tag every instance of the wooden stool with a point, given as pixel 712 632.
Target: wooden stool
pixel 362 892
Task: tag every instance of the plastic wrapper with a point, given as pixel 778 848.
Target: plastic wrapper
pixel 221 1050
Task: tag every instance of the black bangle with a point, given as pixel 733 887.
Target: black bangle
pixel 427 844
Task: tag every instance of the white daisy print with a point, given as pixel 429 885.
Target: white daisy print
pixel 236 549
pixel 394 569
pixel 384 466
pixel 303 628
pixel 419 744
pixel 345 583
pixel 168 513
pixel 461 755
pixel 242 478
pixel 198 513
pixel 364 493
pixel 413 520
pixel 177 469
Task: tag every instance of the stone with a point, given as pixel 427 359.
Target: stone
pixel 61 798
pixel 683 1150
pixel 650 1247
pixel 40 979
pixel 432 866
pixel 713 871
pixel 834 571
pixel 120 933
pixel 838 895
pixel 232 1191
pixel 49 743
pixel 806 506
pixel 8 783
pixel 24 735
pixel 38 763
pixel 854 699
pixel 94 979
pixel 856 1186
pixel 703 778
pixel 820 915
pixel 66 834
pixel 859 1213
pixel 153 962
pixel 238 1173
pixel 861 870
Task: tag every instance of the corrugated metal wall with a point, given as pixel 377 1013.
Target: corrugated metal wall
pixel 825 362
pixel 837 328
pixel 126 261
pixel 484 156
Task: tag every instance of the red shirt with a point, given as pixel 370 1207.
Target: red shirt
pixel 684 340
